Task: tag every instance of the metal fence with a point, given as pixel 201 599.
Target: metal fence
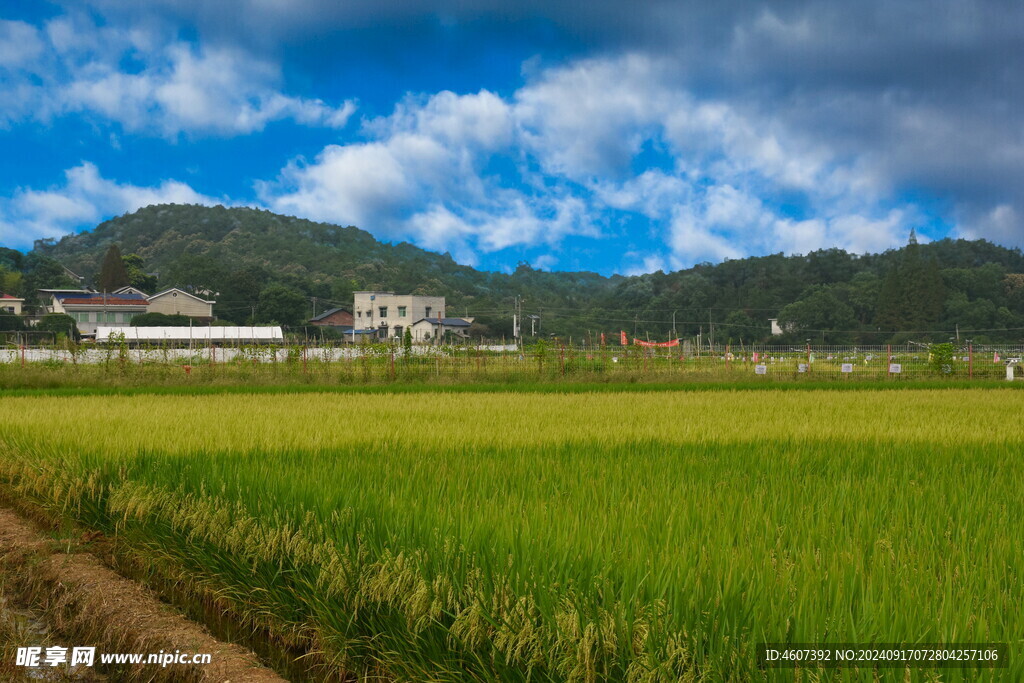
pixel 393 362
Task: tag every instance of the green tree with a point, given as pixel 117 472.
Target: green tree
pixel 912 295
pixel 11 281
pixel 137 276
pixel 407 342
pixel 113 274
pixel 59 323
pixel 819 314
pixel 10 322
pixel 281 304
pixel 739 326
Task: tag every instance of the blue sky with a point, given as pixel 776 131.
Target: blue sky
pixel 606 136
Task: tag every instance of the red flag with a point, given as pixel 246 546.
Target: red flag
pixel 622 338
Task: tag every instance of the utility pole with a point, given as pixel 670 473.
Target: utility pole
pixel 517 319
pixel 674 335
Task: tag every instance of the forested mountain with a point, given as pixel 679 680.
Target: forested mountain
pixel 266 267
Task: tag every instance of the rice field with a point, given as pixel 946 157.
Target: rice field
pixel 589 536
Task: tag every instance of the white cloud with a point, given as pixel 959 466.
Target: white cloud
pixel 85 198
pixel 692 240
pixel 20 44
pixel 567 144
pixel 1001 223
pixel 168 87
pixel 652 193
pixel 545 262
pixel 800 237
pixel 590 118
pixel 482 120
pixel 425 178
pixel 650 263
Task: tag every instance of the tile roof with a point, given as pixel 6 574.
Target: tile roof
pixel 98 299
pixel 447 322
pixel 329 313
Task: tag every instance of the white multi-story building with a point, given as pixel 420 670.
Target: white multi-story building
pixel 391 314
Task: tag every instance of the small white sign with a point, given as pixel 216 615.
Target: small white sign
pixel 847 367
pixel 895 368
pixel 761 369
pixel 802 367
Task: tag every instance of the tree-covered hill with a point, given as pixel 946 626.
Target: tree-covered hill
pixel 268 267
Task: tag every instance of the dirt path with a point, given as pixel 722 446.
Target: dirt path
pixel 93 606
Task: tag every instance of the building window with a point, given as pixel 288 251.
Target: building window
pixel 401 311
pixel 359 314
pixel 427 314
pixel 383 311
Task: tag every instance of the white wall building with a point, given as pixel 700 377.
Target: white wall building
pixel 176 301
pixel 11 304
pixel 92 309
pixel 431 329
pixel 391 314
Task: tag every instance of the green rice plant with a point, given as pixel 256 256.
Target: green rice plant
pixel 585 536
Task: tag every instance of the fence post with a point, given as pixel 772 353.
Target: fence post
pixel 888 360
pixel 970 361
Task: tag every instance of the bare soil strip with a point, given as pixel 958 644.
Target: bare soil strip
pixel 82 599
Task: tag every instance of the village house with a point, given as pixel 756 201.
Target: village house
pixel 431 329
pixel 10 304
pixel 337 319
pixel 389 314
pixel 176 301
pixel 92 309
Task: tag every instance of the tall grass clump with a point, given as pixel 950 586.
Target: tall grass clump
pixel 578 537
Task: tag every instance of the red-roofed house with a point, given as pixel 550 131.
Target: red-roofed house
pixel 10 304
pixel 92 309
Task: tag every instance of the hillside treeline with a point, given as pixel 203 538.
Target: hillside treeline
pixel 262 267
